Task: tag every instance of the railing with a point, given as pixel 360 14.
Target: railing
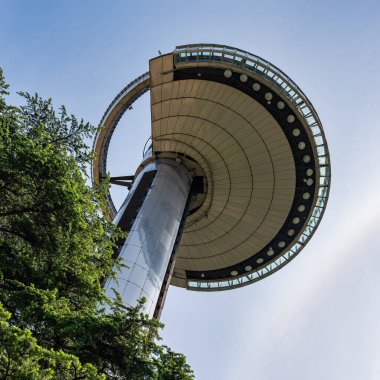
pixel 148 147
pixel 101 145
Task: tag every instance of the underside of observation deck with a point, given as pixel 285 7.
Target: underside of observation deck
pixel 256 150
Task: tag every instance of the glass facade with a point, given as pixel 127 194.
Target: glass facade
pixel 148 247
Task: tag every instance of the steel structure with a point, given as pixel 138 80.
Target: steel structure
pixel 234 181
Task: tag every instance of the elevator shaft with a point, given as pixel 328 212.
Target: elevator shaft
pixel 152 216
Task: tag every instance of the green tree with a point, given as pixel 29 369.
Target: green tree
pixel 22 358
pixel 55 250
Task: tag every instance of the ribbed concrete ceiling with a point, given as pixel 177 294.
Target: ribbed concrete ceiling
pixel 248 162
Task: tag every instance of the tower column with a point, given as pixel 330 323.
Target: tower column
pixel 151 215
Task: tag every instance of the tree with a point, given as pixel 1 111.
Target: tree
pixel 56 249
pixel 22 358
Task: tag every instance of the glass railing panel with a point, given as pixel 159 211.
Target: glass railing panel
pixel 321 202
pixel 262 272
pixel 317 212
pixel 315 130
pixel 280 260
pixel 306 231
pixel 313 222
pixel 318 140
pixel 244 279
pixel 297 246
pixel 249 65
pixel 310 119
pixel 323 170
pixel 253 275
pixel 321 150
pixel 323 191
pixel 260 68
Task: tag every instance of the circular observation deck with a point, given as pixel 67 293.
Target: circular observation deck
pixel 256 143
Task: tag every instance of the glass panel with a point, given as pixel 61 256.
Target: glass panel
pixel 260 68
pixel 131 294
pixel 317 212
pixel 244 279
pixel 281 260
pixel 297 246
pixel 249 65
pixel 204 56
pixel 138 276
pixel 316 131
pixel 310 120
pixel 305 110
pixel 313 222
pixel 318 140
pixel 323 170
pixel 321 150
pixel 322 192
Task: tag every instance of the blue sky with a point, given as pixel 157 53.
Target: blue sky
pixel 319 317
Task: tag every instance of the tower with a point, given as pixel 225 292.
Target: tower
pixel 234 180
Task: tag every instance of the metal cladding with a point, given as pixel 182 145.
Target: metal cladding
pixel 255 148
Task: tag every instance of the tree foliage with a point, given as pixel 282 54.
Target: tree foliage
pixel 22 358
pixel 55 251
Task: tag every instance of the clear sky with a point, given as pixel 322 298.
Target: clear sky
pixel 317 318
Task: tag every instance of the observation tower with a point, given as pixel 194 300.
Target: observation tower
pixel 234 180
